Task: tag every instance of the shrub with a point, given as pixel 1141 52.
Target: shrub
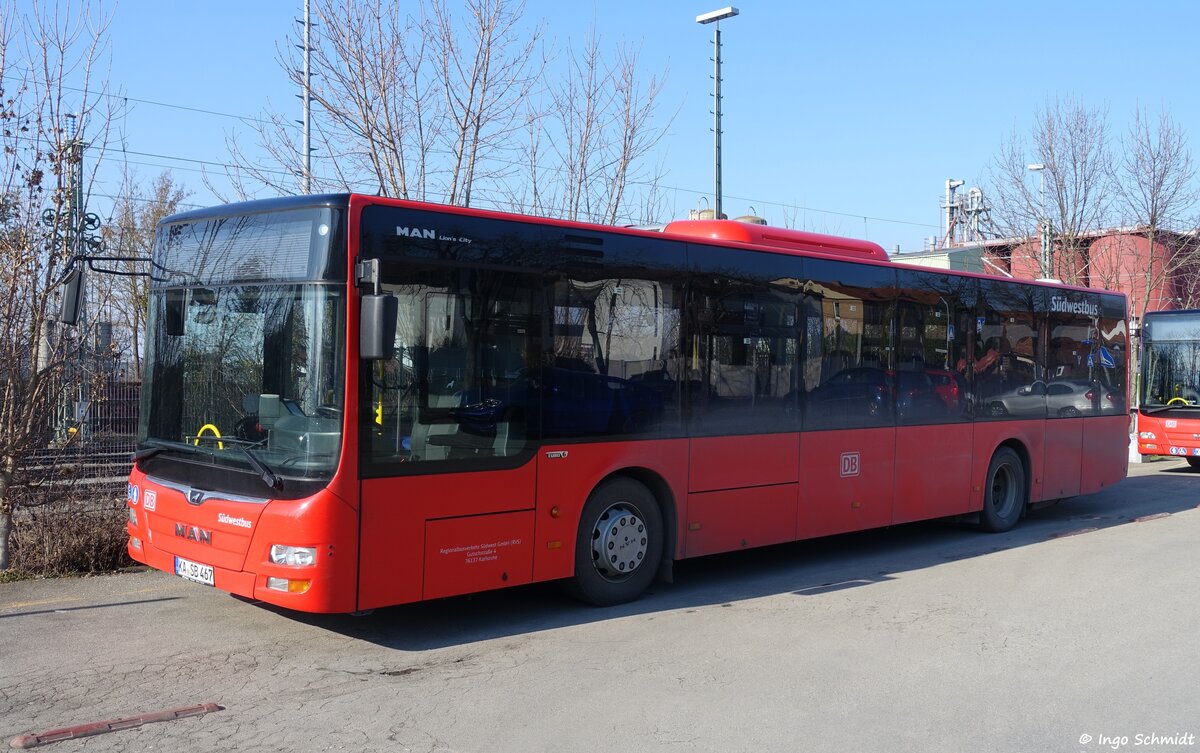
pixel 80 533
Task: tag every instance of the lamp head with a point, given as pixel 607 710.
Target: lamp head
pixel 716 15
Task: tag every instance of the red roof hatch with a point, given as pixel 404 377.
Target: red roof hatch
pixel 776 237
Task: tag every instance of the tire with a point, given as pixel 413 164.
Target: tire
pixel 1004 492
pixel 1193 462
pixel 619 543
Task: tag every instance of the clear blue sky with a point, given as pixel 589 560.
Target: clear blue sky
pixel 844 117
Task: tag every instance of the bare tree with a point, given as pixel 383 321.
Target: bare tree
pixel 411 106
pixel 371 90
pixel 48 52
pixel 130 235
pixel 601 126
pixel 1156 191
pixel 1071 142
pixel 430 103
pixel 486 74
pixel 636 129
pixel 580 103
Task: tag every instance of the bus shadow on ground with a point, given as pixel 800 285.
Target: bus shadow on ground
pixel 805 569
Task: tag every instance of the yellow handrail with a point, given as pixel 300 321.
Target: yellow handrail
pixel 216 433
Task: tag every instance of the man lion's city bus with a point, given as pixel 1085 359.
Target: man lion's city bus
pixel 351 402
pixel 1168 419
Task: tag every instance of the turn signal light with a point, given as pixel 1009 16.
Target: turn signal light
pixel 288 586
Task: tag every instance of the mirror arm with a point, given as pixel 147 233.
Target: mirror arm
pixel 91 263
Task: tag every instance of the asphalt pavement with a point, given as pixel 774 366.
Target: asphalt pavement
pixel 1074 632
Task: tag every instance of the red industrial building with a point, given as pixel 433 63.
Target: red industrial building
pixel 1155 277
pixel 1164 275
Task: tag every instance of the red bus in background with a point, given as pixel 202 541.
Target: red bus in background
pixel 352 402
pixel 1168 418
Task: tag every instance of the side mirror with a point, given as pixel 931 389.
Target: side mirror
pixel 73 291
pixel 377 327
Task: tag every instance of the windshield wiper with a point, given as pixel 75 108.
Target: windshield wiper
pixel 146 453
pixel 149 452
pixel 269 477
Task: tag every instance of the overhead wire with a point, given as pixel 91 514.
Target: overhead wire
pixel 370 185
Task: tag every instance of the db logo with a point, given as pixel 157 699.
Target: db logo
pixel 850 463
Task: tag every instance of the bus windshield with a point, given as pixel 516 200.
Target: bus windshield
pixel 1171 372
pixel 254 367
pixel 242 372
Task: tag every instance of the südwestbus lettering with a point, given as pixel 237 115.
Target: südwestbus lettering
pixel 1059 305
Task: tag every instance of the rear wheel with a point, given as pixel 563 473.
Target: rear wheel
pixel 619 543
pixel 1004 492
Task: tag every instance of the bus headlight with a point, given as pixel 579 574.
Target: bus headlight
pixel 1147 435
pixel 299 556
pixel 132 517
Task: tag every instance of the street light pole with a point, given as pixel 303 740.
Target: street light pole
pixel 1043 225
pixel 714 17
pixel 307 102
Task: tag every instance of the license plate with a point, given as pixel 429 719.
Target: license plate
pixel 194 571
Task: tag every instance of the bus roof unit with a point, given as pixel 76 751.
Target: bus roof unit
pixel 781 238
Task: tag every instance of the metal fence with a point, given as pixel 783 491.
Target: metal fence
pixel 90 439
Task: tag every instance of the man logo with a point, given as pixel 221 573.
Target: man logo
pixel 850 463
pixel 195 496
pixel 416 232
pixel 193 533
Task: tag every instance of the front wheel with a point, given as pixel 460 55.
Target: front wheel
pixel 1193 462
pixel 1004 492
pixel 619 543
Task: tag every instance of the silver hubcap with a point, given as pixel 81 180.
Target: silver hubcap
pixel 619 542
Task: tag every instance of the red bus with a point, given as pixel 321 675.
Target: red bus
pixel 1168 419
pixel 351 402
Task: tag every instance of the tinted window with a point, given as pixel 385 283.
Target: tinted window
pixel 745 331
pixel 614 364
pixel 848 368
pixel 1110 361
pixel 1071 355
pixel 461 391
pixel 461 387
pixel 931 342
pixel 510 333
pixel 1008 368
